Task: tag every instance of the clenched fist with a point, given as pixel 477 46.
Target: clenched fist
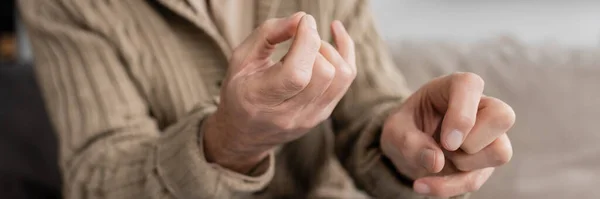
pixel 265 103
pixel 448 136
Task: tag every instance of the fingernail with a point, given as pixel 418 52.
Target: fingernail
pixel 427 159
pixel 311 21
pixel 421 188
pixel 454 140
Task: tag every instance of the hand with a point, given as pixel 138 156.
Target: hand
pixel 450 111
pixel 266 103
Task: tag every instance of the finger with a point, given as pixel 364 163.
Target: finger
pixel 344 43
pixel 305 46
pixel 494 118
pixel 413 152
pixel 459 100
pixel 283 28
pixel 498 153
pixel 452 185
pixel 303 51
pixel 322 76
pixel 323 106
pixel 344 76
pixel 294 73
pixel 270 33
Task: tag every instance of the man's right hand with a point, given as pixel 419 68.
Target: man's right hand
pixel 266 103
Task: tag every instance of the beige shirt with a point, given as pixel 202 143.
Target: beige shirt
pixel 128 83
pixel 231 10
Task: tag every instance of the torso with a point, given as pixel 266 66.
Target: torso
pixel 196 62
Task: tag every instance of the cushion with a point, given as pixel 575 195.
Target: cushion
pixel 554 92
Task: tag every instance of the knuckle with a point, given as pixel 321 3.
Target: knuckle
pixel 474 184
pixel 507 117
pixel 469 79
pixel 283 124
pixel 464 121
pixel 404 143
pixel 328 72
pixel 503 156
pixel 303 63
pixel 396 142
pixel 503 116
pixel 346 71
pixel 469 149
pixel 297 81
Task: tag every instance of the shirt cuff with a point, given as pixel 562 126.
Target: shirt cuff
pixel 181 164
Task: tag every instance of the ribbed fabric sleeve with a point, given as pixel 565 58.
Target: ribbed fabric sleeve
pixel 111 146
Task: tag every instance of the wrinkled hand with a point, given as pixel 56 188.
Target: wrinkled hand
pixel 266 103
pixel 450 111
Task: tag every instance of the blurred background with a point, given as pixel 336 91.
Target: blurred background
pixel 542 57
pixel 571 22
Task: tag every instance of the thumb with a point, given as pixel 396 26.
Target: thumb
pixel 270 33
pixel 413 152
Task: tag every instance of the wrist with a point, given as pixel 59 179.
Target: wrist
pixel 225 147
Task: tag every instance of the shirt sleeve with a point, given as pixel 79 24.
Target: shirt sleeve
pixel 110 147
pixel 378 89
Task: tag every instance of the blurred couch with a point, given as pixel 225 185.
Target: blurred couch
pixel 555 92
